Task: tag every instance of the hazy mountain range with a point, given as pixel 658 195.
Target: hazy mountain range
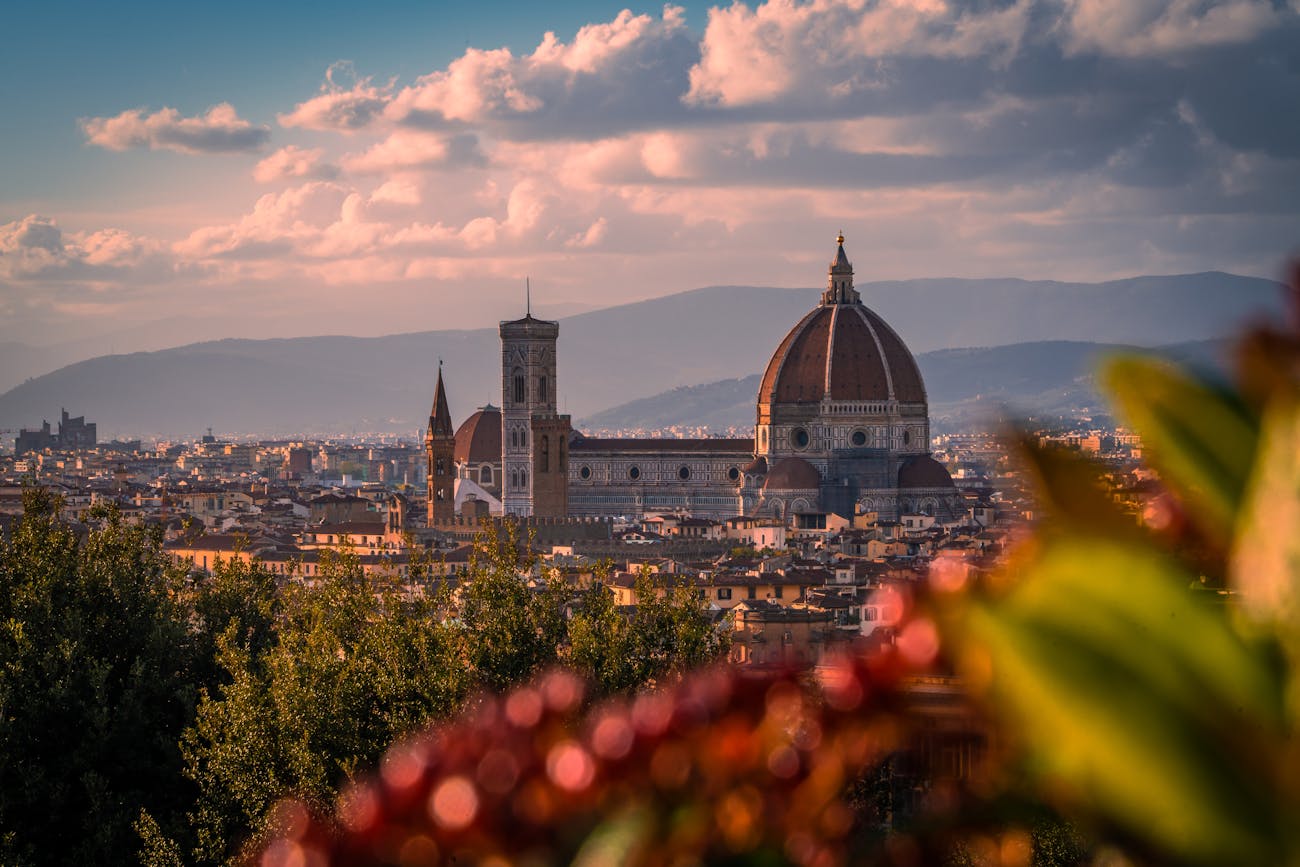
pixel 1051 377
pixel 619 354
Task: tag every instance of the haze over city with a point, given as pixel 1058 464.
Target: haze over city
pixel 239 170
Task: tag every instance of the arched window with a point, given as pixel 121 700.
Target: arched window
pixel 523 478
pixel 519 386
pixel 441 467
pixel 485 475
pixel 545 458
pixel 541 388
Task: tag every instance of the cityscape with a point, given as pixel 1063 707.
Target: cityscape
pixel 808 432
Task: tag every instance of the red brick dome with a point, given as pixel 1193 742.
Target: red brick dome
pixel 478 439
pixel 792 474
pixel 923 471
pixel 843 351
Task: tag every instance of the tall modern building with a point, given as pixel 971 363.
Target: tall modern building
pixel 534 436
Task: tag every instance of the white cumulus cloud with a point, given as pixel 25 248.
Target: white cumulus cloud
pixel 220 130
pixel 295 162
pixel 346 102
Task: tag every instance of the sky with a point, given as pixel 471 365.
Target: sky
pixel 173 172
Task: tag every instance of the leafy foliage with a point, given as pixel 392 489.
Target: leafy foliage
pixel 667 634
pixel 1137 693
pixel 353 665
pixel 95 686
pixel 346 664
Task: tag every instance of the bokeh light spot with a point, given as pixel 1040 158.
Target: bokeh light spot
pixel 454 803
pixel 570 766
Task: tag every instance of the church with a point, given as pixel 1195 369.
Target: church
pixel 841 427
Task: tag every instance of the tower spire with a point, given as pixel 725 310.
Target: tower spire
pixel 440 415
pixel 528 297
pixel 440 452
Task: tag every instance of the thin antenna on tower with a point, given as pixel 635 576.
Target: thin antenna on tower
pixel 528 297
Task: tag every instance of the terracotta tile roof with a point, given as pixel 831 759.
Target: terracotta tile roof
pixel 845 351
pixel 478 439
pixel 662 445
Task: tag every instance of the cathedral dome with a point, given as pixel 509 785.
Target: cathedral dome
pixel 478 439
pixel 841 351
pixel 792 474
pixel 923 471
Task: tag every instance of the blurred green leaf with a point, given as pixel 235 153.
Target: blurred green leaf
pixel 1199 437
pixel 616 840
pixel 1121 685
pixel 1071 488
pixel 1135 601
pixel 1266 552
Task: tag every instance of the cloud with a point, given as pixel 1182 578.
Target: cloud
pixel 30 247
pixel 221 130
pixel 276 225
pixel 36 250
pixel 407 149
pixel 345 103
pixel 295 162
pixel 1059 138
pixel 833 49
pixel 1141 28
pixel 626 73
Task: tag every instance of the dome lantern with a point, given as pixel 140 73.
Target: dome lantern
pixel 839 284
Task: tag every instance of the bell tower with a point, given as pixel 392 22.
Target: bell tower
pixel 534 437
pixel 440 449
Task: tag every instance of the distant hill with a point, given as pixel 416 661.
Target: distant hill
pixel 607 357
pixel 1047 376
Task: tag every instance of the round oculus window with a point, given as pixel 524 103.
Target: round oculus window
pixel 800 438
pixel 585 472
pixel 634 473
pixel 733 473
pixel 684 473
pixel 859 438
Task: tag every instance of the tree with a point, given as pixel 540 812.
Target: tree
pixel 509 629
pixel 668 632
pixel 237 594
pixel 95 686
pixel 353 666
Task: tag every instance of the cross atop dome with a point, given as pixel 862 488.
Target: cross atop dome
pixel 839 289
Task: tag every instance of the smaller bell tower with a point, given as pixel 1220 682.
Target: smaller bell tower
pixel 440 449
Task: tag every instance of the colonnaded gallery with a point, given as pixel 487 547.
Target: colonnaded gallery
pixel 842 426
